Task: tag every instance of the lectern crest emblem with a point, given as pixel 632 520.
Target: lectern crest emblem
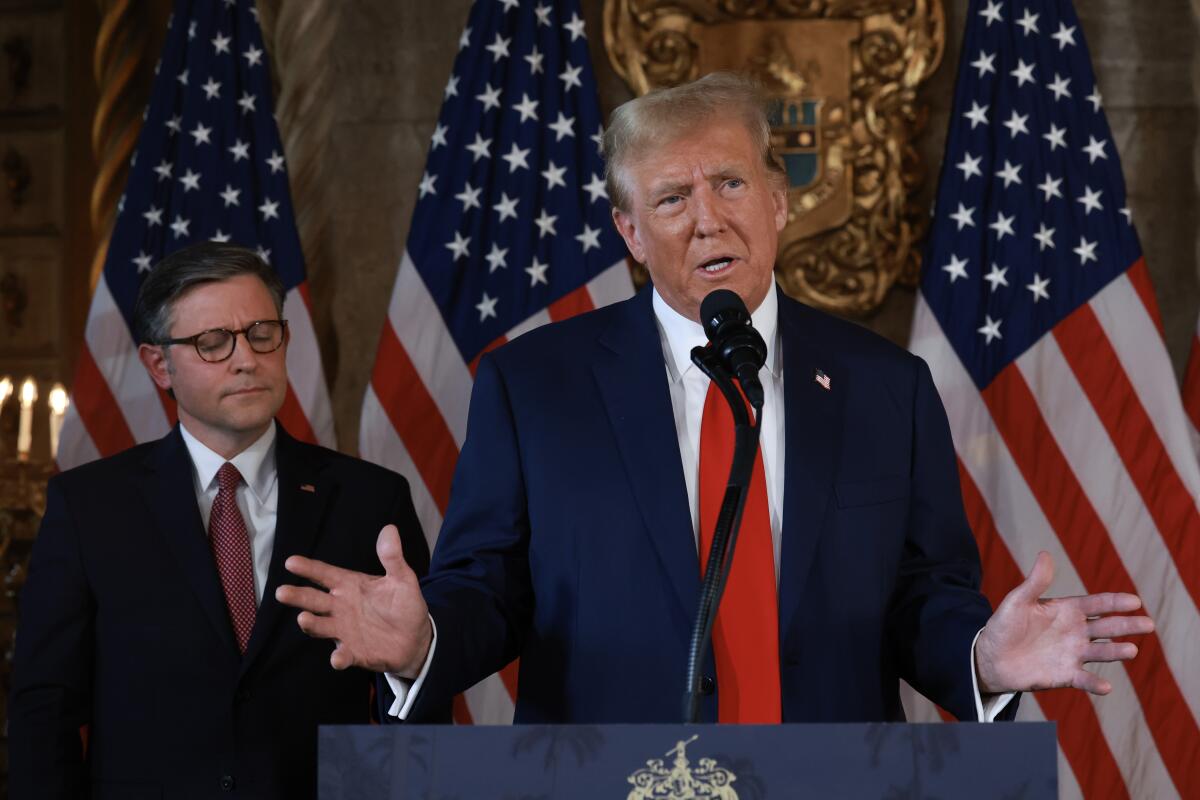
pixel 681 781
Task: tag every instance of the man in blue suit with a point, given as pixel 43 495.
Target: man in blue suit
pixel 571 536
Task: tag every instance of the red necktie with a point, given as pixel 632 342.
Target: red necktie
pixel 231 550
pixel 746 632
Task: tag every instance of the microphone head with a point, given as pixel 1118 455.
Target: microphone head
pixel 720 310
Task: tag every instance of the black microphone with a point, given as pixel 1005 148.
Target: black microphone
pixel 741 348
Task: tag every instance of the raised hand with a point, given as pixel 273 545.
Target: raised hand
pixel 1034 643
pixel 380 623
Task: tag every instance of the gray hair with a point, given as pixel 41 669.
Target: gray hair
pixel 665 114
pixel 184 269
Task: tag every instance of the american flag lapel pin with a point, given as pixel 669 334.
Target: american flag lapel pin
pixel 308 487
pixel 822 379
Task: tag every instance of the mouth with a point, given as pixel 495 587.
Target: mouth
pixel 247 391
pixel 716 266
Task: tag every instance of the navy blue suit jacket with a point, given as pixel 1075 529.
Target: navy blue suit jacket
pixel 569 542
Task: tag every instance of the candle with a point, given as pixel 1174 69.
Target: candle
pixel 25 431
pixel 5 390
pixel 58 409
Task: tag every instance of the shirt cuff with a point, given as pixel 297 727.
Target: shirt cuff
pixel 985 710
pixel 406 690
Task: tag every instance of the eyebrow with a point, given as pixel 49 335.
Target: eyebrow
pixel 722 173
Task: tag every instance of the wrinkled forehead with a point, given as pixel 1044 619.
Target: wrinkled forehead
pixel 707 152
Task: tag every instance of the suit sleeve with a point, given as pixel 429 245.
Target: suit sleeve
pixel 937 608
pixel 52 668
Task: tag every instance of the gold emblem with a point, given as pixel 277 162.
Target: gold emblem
pixel 681 781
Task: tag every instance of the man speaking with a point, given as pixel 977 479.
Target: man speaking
pixel 595 461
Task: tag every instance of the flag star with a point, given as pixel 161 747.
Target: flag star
pixel 201 134
pixel 517 158
pixel 964 216
pixel 439 136
pixel 1045 237
pixel 163 169
pixel 535 61
pixel 490 98
pixel 554 176
pixel 509 5
pixel 1050 187
pixel 1065 35
pixel 977 115
pixel 1086 251
pixel 598 138
pixel 121 204
pixel 1094 149
pixel 479 148
pixel 545 222
pixel 957 268
pixel 1010 174
pixel 254 13
pixel 527 108
pixel 507 207
pixel 486 307
pixel 469 197
pixel 190 181
pixel 496 258
pixel 1038 287
pixel 1023 73
pixel 219 236
pixel 460 247
pixel 246 101
pixel 174 125
pixel 1127 214
pixel 192 29
pixel 451 89
pixel 575 26
pixel 230 195
pixel 239 150
pixel 543 14
pixel 182 78
pixel 263 253
pixel 992 12
pixel 499 48
pixel 595 188
pixel 143 262
pixel 1090 200
pixel 1057 137
pixel 990 329
pixel 996 276
pixel 1094 98
pixel 970 166
pixel 464 40
pixel 212 89
pixel 1059 87
pixel 253 56
pixel 570 77
pixel 1016 124
pixel 1029 22
pixel 985 63
pixel 180 226
pixel 269 209
pixel 1003 226
pixel 275 162
pixel 220 43
pixel 562 127
pixel 153 216
pixel 426 186
pixel 537 273
pixel 589 238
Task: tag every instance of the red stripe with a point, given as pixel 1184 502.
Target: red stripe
pixel 1096 366
pixel 294 420
pixel 302 288
pixel 509 676
pixel 474 365
pixel 571 304
pixel 98 408
pixel 1139 276
pixel 1079 732
pixel 415 416
pixel 1191 384
pixel 460 711
pixel 1085 540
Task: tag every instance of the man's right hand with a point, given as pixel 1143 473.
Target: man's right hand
pixel 380 623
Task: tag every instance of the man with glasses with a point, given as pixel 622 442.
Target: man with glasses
pixel 149 614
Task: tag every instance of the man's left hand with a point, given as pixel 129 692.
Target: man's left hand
pixel 1033 643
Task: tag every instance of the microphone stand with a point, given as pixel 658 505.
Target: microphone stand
pixel 729 521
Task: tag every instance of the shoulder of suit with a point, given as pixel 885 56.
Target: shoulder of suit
pixel 352 467
pixel 850 342
pixel 560 340
pixel 115 467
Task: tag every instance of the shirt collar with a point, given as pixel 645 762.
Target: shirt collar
pixel 256 463
pixel 681 334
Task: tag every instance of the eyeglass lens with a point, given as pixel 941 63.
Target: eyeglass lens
pixel 263 337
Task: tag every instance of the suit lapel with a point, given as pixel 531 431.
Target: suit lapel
pixel 631 375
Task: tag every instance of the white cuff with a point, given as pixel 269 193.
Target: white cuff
pixel 406 690
pixel 985 710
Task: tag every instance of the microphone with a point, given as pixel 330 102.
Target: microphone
pixel 741 348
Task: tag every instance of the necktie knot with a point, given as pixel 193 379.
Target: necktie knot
pixel 228 477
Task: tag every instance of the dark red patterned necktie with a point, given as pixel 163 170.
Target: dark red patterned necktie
pixel 231 549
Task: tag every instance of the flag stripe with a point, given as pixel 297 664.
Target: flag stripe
pixel 489 702
pixel 1139 278
pixel 98 410
pixel 1191 390
pixel 291 416
pixel 569 305
pixel 306 377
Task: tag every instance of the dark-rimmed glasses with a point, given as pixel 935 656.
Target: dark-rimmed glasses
pixel 264 336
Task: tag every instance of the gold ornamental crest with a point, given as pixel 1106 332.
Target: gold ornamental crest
pixel 682 781
pixel 842 77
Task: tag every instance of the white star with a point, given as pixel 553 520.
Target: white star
pixel 490 98
pixel 246 101
pixel 507 207
pixel 192 29
pixel 990 329
pixel 595 188
pixel 985 63
pixel 1023 73
pixel 460 247
pixel 970 166
pixel 499 48
pixel 570 77
pixel 509 5
pixel 554 176
pixel 535 61
pixel 1045 237
pixel 219 236
pixel 1065 36
pixel 201 134
pixel 212 89
pixel 269 209
pixel 182 78
pixel 275 162
pixel 239 150
pixel 464 39
pixel 1127 214
pixel 992 13
pixel 1029 22
pixel 163 169
pixel 1090 200
pixel 451 89
pixel 537 273
pixel 469 197
pixel 263 253
pixel 1003 226
pixel 1010 174
pixel 180 226
pixel 253 56
pixel 496 258
pixel 230 196
pixel 487 307
pixel 174 124
pixel 1057 137
pixel 479 148
pixel 1059 87
pixel 543 14
pixel 996 276
pixel 977 115
pixel 562 127
pixel 545 223
pixel 575 26
pixel 1050 187
pixel 153 216
pixel 957 268
pixel 426 187
pixel 589 238
pixel 517 158
pixel 1038 287
pixel 1016 124
pixel 220 43
pixel 1086 251
pixel 121 204
pixel 1094 98
pixel 190 181
pixel 598 138
pixel 1094 149
pixel 527 108
pixel 964 216
pixel 439 136
pixel 143 262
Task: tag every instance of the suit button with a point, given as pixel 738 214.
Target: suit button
pixel 227 783
pixel 707 685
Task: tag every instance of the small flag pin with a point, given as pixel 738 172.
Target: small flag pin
pixel 308 487
pixel 822 379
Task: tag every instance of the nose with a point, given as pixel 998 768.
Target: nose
pixel 244 359
pixel 706 205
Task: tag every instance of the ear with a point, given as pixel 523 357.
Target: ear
pixel 154 358
pixel 626 226
pixel 779 196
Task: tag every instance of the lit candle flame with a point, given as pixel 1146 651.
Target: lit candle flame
pixel 6 389
pixel 28 392
pixel 58 399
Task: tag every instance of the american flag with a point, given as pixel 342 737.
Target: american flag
pixel 208 165
pixel 1038 319
pixel 1191 389
pixel 512 229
